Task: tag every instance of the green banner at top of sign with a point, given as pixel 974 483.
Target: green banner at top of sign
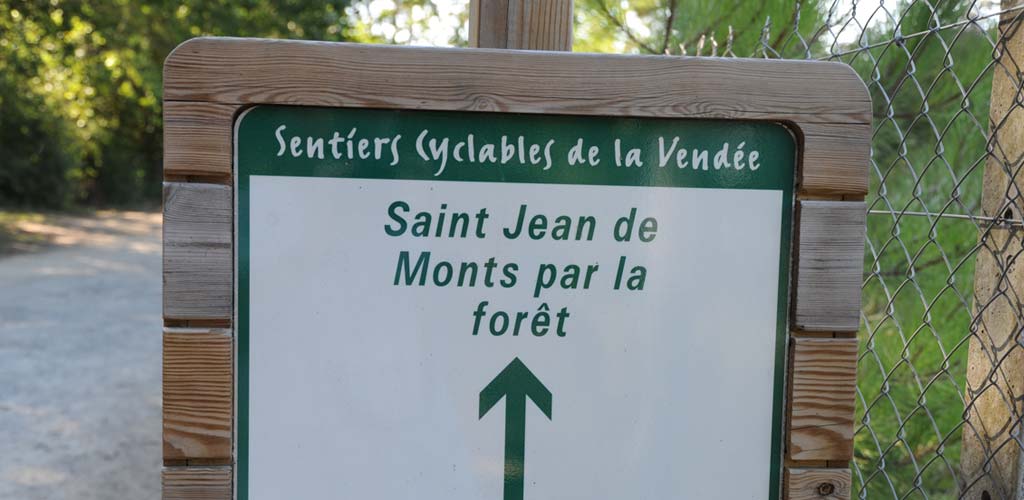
pixel 493 147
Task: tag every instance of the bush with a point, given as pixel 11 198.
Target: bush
pixel 37 157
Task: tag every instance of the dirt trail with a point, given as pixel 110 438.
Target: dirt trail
pixel 80 361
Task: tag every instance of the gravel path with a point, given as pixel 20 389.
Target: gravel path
pixel 80 362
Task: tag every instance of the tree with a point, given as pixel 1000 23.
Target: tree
pixel 86 87
pixel 698 27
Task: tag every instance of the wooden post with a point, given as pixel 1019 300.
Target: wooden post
pixel 991 456
pixel 521 24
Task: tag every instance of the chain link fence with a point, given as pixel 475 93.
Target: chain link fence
pixel 941 363
pixel 941 366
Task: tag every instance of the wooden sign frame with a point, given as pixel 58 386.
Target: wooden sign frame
pixel 209 81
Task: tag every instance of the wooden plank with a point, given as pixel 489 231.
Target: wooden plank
pixel 249 71
pixel 818 484
pixel 829 271
pixel 197 483
pixel 246 71
pixel 835 160
pixel 197 392
pixel 823 386
pixel 522 24
pixel 991 461
pixel 540 25
pixel 197 139
pixel 198 261
pixel 488 23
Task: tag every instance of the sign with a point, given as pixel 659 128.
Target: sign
pixel 506 306
pixel 398 272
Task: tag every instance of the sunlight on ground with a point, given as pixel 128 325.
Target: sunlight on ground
pixel 34 476
pixel 23 232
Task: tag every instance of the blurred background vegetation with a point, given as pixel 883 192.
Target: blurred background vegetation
pixel 80 88
pixel 80 94
pixel 80 80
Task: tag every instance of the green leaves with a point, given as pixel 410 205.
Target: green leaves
pixel 81 87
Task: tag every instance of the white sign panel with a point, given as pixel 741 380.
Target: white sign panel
pixel 436 338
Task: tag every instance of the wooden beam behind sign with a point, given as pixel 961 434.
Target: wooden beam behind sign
pixel 521 24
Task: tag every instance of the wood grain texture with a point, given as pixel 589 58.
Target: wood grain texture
pixel 991 460
pixel 197 483
pixel 823 385
pixel 197 392
pixel 829 267
pixel 540 25
pixel 521 24
pixel 835 159
pixel 197 138
pixel 198 260
pixel 488 23
pixel 826 102
pixel 818 484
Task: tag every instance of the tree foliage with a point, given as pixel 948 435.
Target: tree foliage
pixel 80 83
pixel 696 27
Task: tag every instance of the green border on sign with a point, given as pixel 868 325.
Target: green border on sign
pixel 265 154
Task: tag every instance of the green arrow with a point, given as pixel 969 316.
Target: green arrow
pixel 515 383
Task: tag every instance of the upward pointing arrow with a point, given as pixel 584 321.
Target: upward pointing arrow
pixel 515 383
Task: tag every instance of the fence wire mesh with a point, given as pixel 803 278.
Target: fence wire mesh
pixel 941 363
